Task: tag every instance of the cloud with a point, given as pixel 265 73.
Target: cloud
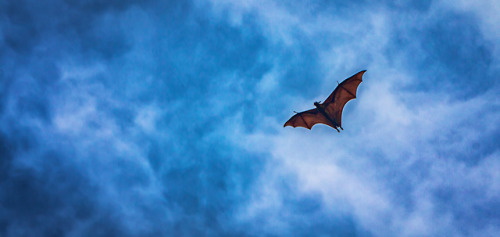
pixel 155 119
pixel 417 113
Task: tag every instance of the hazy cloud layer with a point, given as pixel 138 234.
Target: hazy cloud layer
pixel 140 118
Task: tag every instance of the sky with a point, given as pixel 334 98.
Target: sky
pixel 165 118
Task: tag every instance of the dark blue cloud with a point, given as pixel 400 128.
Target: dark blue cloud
pixel 54 188
pixel 447 52
pixel 133 118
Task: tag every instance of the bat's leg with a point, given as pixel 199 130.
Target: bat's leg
pixel 341 128
pixel 337 129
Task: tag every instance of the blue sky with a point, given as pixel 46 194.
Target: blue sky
pixel 165 118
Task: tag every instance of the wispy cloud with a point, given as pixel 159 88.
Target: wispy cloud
pixel 165 119
pixel 415 131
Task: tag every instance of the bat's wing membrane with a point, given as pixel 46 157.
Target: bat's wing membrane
pixel 308 119
pixel 345 91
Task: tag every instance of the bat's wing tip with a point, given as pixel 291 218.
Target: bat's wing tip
pixel 359 75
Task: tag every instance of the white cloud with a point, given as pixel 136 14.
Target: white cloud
pixel 354 170
pixel 392 135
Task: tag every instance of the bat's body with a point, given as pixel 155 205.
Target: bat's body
pixel 321 109
pixel 330 111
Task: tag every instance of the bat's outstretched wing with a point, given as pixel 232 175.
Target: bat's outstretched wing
pixel 308 119
pixel 344 92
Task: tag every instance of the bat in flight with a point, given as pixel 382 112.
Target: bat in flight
pixel 330 111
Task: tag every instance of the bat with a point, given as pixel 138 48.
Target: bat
pixel 330 111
